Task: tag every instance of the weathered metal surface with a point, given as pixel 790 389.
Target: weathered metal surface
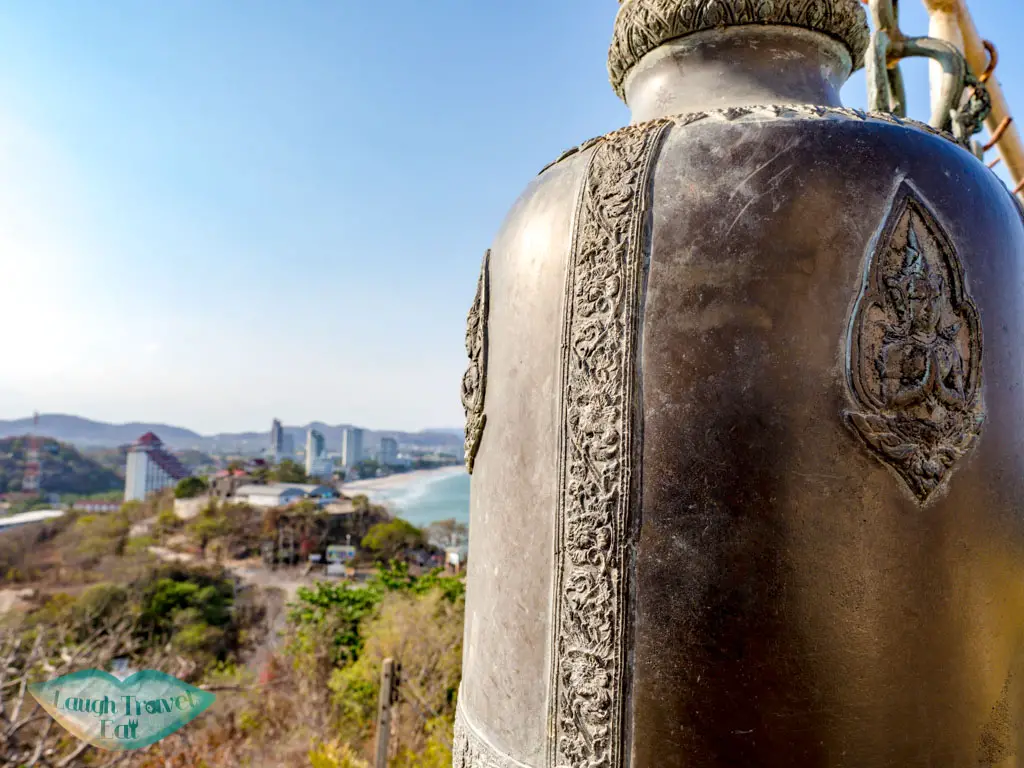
pixel 733 59
pixel 796 601
pixel 474 382
pixel 471 750
pixel 515 489
pixel 643 25
pixel 751 485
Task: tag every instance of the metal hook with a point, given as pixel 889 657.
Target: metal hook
pixel 886 91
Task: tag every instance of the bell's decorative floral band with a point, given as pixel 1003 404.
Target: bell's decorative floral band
pixel 118 714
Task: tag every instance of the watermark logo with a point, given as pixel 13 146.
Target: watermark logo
pixel 118 714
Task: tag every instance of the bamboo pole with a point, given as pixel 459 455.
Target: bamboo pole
pixel 950 20
pixel 943 24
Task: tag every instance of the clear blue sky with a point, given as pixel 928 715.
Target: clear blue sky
pixel 214 212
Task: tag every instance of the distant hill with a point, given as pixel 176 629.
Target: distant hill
pixel 114 459
pixel 86 433
pixel 194 459
pixel 79 431
pixel 64 469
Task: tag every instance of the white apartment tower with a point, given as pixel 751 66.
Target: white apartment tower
pixel 388 455
pixel 351 447
pixel 150 468
pixel 315 449
pixel 276 440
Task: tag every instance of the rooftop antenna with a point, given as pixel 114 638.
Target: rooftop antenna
pixel 31 482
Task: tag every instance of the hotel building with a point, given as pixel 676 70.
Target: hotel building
pixel 150 468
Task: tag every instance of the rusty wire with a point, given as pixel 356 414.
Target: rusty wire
pixel 993 60
pixel 998 133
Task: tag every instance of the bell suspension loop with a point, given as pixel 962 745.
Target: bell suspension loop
pixel 964 102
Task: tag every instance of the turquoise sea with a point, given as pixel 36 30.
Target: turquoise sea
pixel 436 497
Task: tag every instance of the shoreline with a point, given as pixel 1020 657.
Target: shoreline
pixel 398 481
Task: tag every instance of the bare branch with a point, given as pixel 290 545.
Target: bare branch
pixel 24 680
pixel 22 723
pixel 70 758
pixel 420 705
pixel 247 688
pixel 5 670
pixel 40 744
pixel 115 760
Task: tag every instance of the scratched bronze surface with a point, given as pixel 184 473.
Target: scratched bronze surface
pixel 749 489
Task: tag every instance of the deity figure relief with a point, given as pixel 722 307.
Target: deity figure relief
pixel 921 369
pixel 915 351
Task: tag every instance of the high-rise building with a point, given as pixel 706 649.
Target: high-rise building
pixel 351 447
pixel 150 468
pixel 276 440
pixel 388 451
pixel 316 446
pixel 287 446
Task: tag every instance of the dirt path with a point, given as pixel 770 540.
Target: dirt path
pixel 170 556
pixel 288 580
pixel 15 600
pixel 251 572
pixel 280 588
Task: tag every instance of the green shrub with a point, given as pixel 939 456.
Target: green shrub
pixel 98 604
pixel 178 589
pixel 388 540
pixel 167 522
pixel 288 471
pixel 190 487
pixel 335 755
pixel 99 536
pixel 332 613
pixel 139 544
pixel 197 638
pixel 55 611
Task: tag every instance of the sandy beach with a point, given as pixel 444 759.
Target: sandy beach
pixel 399 481
pixel 421 497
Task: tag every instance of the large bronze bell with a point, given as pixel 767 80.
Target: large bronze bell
pixel 745 416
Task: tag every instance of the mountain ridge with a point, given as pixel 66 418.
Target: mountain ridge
pixel 64 469
pixel 84 432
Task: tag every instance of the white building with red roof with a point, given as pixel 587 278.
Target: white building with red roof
pixel 150 468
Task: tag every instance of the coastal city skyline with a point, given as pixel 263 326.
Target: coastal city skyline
pixel 76 428
pixel 37 469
